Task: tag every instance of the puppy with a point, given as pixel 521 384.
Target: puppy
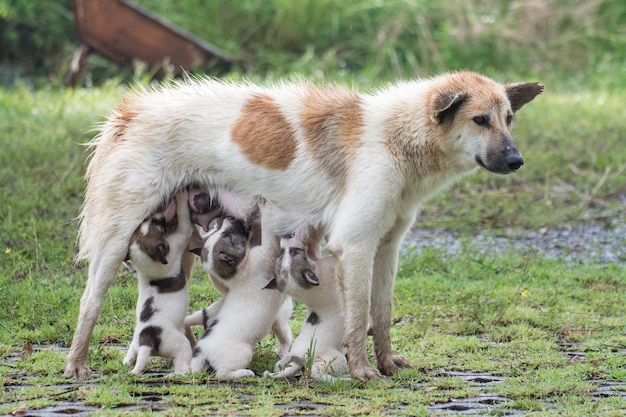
pixel 355 166
pixel 313 283
pixel 246 312
pixel 157 257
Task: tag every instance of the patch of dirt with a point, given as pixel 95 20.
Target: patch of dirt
pixel 586 243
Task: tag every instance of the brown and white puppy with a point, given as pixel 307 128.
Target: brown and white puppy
pixel 247 311
pixel 158 258
pixel 356 166
pixel 320 342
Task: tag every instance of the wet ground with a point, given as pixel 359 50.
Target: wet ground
pixel 584 243
pixel 485 403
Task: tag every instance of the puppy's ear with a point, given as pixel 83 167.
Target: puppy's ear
pixel 310 277
pixel 521 93
pixel 197 251
pixel 445 105
pixel 272 285
pixel 161 252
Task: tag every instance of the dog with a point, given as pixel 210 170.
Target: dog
pixel 222 262
pixel 234 324
pixel 356 166
pixel 162 303
pixel 311 281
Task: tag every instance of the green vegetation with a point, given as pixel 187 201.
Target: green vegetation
pixel 513 316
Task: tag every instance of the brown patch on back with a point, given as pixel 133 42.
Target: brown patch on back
pixel 264 135
pixel 121 117
pixel 332 124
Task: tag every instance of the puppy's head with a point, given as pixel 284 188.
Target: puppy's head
pixel 294 268
pixel 473 115
pixel 225 248
pixel 149 240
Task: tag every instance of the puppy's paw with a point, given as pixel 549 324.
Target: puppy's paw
pixel 239 373
pixel 273 375
pixel 282 350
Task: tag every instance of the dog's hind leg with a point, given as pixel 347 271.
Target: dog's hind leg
pixel 143 354
pixel 385 266
pixel 131 355
pixel 102 271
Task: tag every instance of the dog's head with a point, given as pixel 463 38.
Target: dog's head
pixel 149 239
pixel 294 268
pixel 225 248
pixel 475 115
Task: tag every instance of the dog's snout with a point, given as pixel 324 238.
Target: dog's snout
pixel 514 162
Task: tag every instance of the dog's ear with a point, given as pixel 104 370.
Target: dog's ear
pixel 310 277
pixel 521 93
pixel 445 104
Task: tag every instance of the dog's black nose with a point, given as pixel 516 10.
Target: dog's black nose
pixel 514 162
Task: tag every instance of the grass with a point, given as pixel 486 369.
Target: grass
pixel 512 316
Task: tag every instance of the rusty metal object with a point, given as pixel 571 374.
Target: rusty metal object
pixel 124 33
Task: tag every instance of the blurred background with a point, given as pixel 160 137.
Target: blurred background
pixel 571 41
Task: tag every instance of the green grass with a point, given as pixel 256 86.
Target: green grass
pixel 511 316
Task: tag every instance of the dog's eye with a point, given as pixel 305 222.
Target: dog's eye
pixel 509 119
pixel 481 120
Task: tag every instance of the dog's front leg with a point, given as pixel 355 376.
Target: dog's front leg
pixel 101 275
pixel 385 267
pixel 355 270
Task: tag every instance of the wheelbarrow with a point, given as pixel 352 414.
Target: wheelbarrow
pixel 125 33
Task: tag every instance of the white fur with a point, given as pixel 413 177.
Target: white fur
pixel 319 344
pixel 170 308
pixel 244 315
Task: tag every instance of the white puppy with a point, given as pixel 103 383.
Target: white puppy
pixel 320 341
pixel 246 312
pixel 158 258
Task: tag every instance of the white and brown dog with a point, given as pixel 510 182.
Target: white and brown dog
pixel 355 166
pixel 247 311
pixel 157 255
pixel 320 342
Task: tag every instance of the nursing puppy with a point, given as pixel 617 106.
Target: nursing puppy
pixel 246 312
pixel 162 303
pixel 320 340
pixel 355 166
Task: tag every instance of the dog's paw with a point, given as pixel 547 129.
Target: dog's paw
pixel 393 364
pixel 78 371
pixel 365 373
pixel 239 373
pixel 282 350
pixel 273 375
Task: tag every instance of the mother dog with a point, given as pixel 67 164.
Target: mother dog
pixel 355 166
